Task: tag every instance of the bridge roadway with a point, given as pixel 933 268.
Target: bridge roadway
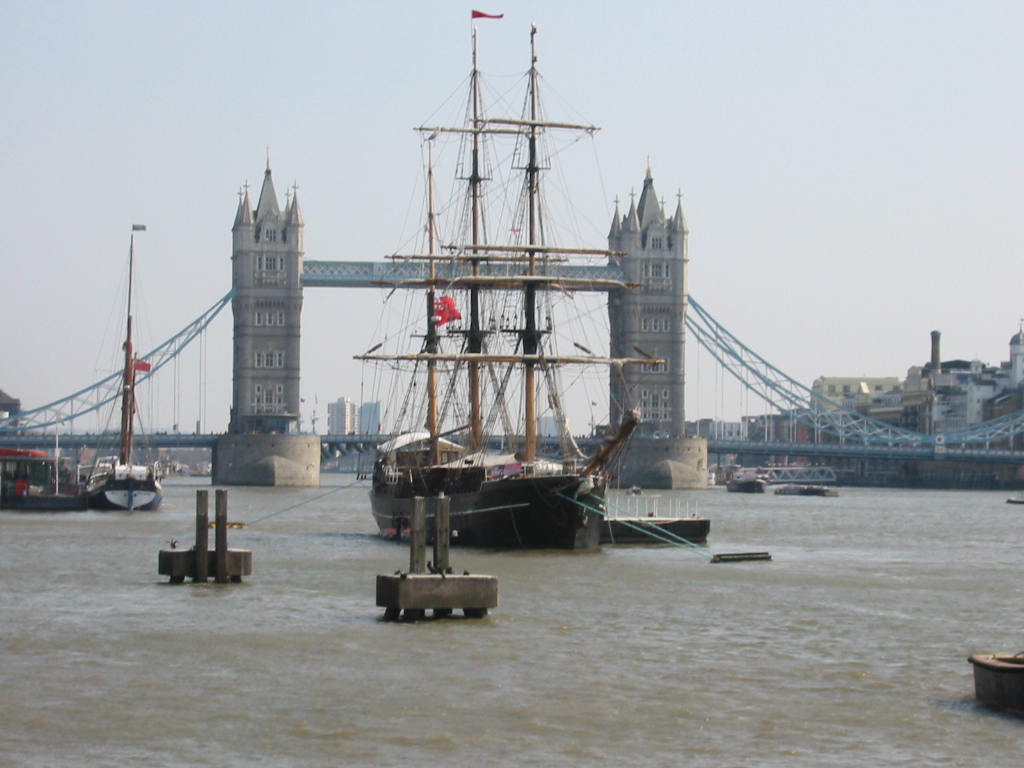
pixel 368 274
pixel 347 443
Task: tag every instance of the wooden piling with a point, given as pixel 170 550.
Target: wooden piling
pixel 202 535
pixel 442 531
pixel 228 564
pixel 221 536
pixel 418 536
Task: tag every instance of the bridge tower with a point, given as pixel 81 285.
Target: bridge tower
pixel 266 271
pixel 651 320
pixel 263 446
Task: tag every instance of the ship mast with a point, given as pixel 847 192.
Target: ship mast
pixel 431 343
pixel 128 382
pixel 482 276
pixel 530 336
pixel 474 342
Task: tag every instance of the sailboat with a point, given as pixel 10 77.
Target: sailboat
pixel 114 482
pixel 503 493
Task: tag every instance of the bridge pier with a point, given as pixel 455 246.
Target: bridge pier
pixel 259 459
pixel 673 463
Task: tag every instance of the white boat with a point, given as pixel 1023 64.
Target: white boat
pixel 114 482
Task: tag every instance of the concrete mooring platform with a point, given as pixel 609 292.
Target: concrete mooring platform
pixel 416 593
pixel 199 563
pixel 410 595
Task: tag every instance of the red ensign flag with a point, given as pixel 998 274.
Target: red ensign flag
pixel 143 366
pixel 445 310
pixel 482 15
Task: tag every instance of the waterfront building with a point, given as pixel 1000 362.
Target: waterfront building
pixel 936 397
pixel 9 406
pixel 855 393
pixel 713 429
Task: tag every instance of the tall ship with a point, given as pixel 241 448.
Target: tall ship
pixel 114 482
pixel 487 324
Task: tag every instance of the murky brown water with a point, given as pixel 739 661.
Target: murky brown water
pixel 848 649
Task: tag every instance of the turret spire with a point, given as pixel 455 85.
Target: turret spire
pixel 267 206
pixel 243 215
pixel 678 219
pixel 649 209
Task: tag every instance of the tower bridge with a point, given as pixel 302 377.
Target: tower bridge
pixel 270 272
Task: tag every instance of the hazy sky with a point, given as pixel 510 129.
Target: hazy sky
pixel 852 171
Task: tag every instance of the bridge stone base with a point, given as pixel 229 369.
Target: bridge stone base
pixel 275 460
pixel 679 463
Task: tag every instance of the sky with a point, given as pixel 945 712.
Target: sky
pixel 851 172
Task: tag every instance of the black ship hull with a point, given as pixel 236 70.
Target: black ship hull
pixel 541 512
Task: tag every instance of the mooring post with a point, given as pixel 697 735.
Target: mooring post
pixel 199 567
pixel 418 537
pixel 221 537
pixel 442 532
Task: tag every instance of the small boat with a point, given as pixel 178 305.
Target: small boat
pixel 1015 500
pixel 644 522
pixel 747 480
pixel 36 481
pixel 114 482
pixel 999 680
pixel 795 489
pixel 654 530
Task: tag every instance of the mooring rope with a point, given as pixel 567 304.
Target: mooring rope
pixel 304 502
pixel 650 529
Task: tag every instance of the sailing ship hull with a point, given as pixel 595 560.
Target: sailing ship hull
pixel 125 493
pixel 545 512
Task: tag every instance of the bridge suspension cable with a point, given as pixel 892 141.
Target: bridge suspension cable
pixel 107 390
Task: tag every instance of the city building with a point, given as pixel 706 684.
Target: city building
pixel 9 406
pixel 369 418
pixel 938 397
pixel 854 393
pixel 342 417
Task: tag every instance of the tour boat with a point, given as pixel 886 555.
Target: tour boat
pixel 797 489
pixel 35 481
pixel 747 480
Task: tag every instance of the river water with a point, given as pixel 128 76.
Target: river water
pixel 847 649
